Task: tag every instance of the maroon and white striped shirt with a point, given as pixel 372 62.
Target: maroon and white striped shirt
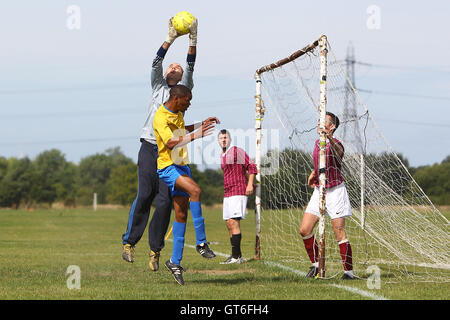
pixel 235 164
pixel 332 165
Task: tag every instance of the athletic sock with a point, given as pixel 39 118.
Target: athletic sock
pixel 178 230
pixel 236 245
pixel 346 254
pixel 198 221
pixel 311 248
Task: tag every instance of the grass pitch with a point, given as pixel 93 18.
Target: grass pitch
pixel 36 248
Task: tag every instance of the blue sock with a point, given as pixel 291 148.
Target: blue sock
pixel 198 221
pixel 178 230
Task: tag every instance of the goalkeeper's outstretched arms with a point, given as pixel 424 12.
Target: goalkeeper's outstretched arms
pixel 157 75
pixel 187 79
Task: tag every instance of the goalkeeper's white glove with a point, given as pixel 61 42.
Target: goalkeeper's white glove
pixel 172 34
pixel 193 33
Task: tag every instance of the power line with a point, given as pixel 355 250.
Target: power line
pixel 444 69
pixel 351 60
pixel 404 94
pixel 393 93
pixel 75 88
pixel 415 123
pixel 123 110
pixel 68 141
pixel 90 140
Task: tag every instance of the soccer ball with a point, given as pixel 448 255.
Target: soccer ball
pixel 182 21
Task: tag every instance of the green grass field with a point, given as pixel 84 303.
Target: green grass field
pixel 36 248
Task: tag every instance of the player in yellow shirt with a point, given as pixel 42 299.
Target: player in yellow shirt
pixel 173 168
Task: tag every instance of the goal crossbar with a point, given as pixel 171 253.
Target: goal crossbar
pixel 292 57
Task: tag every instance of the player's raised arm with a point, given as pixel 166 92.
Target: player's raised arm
pixel 171 35
pixel 157 68
pixel 336 147
pixel 205 130
pixel 188 79
pixel 210 120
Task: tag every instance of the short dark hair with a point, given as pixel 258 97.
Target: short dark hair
pixel 179 91
pixel 224 131
pixel 334 119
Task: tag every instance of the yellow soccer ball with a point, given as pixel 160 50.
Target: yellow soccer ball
pixel 182 21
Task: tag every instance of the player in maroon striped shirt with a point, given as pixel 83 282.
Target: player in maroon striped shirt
pixel 337 202
pixel 236 166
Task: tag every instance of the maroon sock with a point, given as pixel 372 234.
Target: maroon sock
pixel 346 255
pixel 311 248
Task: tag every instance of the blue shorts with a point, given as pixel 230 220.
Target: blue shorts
pixel 171 173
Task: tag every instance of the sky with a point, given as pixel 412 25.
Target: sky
pixel 84 87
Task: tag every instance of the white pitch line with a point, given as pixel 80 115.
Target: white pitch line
pixel 361 292
pixel 358 291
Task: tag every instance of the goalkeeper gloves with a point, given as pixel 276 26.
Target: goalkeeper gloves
pixel 173 34
pixel 193 33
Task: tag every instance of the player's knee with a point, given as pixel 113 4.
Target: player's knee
pixel 231 224
pixel 180 217
pixel 304 231
pixel 146 194
pixel 163 204
pixel 195 193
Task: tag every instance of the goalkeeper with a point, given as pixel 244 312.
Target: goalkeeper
pixel 149 184
pixel 337 201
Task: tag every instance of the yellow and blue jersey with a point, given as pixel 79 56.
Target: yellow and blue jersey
pixel 167 125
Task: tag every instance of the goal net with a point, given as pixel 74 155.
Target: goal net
pixel 393 226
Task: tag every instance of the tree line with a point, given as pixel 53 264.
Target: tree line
pixel 287 188
pixel 50 178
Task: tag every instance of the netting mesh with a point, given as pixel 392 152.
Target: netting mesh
pixel 393 225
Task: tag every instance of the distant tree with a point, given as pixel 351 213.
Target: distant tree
pixel 117 158
pixel 435 182
pixel 16 181
pixel 211 184
pixel 94 172
pixel 387 167
pixel 66 188
pixel 286 187
pixel 196 174
pixel 122 184
pixel 50 170
pixel 212 178
pixel 3 167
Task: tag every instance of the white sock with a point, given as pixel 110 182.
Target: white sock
pixel 315 264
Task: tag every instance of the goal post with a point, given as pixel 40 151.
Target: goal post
pixel 322 152
pixel 259 115
pixel 393 226
pixel 258 126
